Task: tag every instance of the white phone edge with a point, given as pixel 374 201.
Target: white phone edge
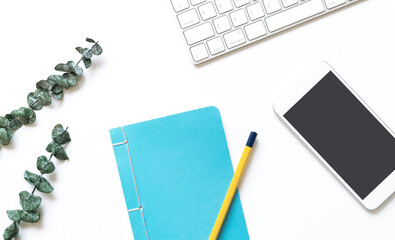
pixel 295 92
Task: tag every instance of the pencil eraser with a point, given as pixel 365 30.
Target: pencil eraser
pixel 251 139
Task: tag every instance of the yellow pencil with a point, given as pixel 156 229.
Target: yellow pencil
pixel 232 187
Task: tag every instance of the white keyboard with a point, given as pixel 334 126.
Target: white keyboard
pixel 214 27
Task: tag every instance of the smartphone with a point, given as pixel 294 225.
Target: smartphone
pixel 343 132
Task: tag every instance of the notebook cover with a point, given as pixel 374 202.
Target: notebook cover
pixel 175 172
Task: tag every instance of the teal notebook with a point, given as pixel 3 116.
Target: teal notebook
pixel 175 172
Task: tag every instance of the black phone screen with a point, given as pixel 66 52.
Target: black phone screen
pixel 346 134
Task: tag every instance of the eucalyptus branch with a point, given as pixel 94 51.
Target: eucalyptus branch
pixel 28 201
pixel 46 89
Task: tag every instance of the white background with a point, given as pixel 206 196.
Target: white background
pixel 145 73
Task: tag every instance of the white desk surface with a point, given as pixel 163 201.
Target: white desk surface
pixel 145 73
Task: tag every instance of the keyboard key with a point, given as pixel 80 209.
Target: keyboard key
pixel 223 6
pixel 239 3
pixel 255 30
pixel 207 11
pixel 238 17
pixel 196 2
pixel 199 33
pixel 222 24
pixel 188 18
pixel 234 38
pixel 288 3
pixel 180 5
pixel 295 14
pixel 216 45
pixel 334 3
pixel 199 52
pixel 255 11
pixel 272 6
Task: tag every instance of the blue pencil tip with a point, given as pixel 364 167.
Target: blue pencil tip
pixel 251 139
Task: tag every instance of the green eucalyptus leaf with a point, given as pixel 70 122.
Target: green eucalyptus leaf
pixel 44 186
pixel 75 69
pixel 44 85
pixel 14 215
pixel 33 102
pixel 4 123
pixel 10 133
pixel 24 115
pixel 28 201
pixel 58 96
pixel 52 80
pixel 78 70
pixel 5 131
pixel 57 89
pixel 87 62
pixel 14 124
pixel 50 148
pixel 60 80
pixel 85 52
pixel 62 67
pixel 71 64
pixel 38 99
pixel 5 136
pixel 96 49
pixel 39 182
pixel 57 150
pixel 32 178
pixel 43 96
pixel 90 40
pixel 79 49
pixel 31 217
pixel 57 92
pixel 70 78
pixel 44 165
pixel 60 135
pixel 4 139
pixel 11 232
